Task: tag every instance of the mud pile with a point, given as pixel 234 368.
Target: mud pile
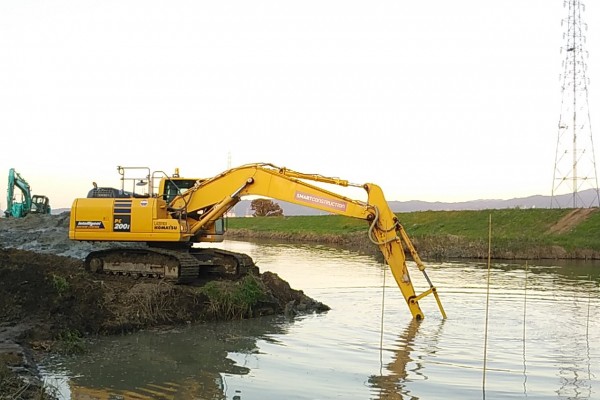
pixel 40 264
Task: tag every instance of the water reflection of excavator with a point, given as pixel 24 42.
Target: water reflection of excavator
pixel 182 211
pixel 405 366
pixel 34 204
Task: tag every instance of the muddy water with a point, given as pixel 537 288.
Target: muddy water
pixel 538 337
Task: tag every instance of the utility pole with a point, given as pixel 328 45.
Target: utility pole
pixel 575 162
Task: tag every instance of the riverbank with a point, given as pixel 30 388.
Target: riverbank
pixel 517 234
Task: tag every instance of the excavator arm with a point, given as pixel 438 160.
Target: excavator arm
pixel 211 198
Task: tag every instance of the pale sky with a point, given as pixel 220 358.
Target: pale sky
pixel 432 100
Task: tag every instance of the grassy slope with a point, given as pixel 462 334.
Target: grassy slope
pixel 510 227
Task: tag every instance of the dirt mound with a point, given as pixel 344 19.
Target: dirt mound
pixel 42 276
pixel 60 296
pixel 571 220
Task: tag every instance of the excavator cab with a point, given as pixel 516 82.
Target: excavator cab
pixel 174 187
pixel 40 204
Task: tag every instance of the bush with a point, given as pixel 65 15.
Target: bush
pixel 234 300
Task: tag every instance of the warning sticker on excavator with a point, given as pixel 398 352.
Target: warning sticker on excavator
pixel 321 201
pixel 89 225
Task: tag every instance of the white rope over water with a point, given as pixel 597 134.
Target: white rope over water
pixel 381 328
pixel 587 330
pixel 524 331
pixel 487 303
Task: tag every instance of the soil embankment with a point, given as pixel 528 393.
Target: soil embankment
pixel 49 302
pixel 439 247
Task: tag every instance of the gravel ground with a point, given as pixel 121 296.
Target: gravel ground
pixel 47 234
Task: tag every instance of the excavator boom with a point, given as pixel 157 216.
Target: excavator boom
pixel 196 213
pixel 385 230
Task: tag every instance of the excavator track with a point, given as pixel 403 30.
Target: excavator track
pixel 176 265
pixel 225 262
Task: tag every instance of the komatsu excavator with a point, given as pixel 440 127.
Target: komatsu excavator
pixel 165 222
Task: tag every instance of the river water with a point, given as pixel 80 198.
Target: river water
pixel 513 331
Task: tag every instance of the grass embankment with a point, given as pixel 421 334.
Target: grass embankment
pixel 516 233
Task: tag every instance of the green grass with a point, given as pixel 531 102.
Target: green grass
pixel 584 235
pixel 234 300
pixel 69 341
pixel 508 224
pixel 60 284
pixel 324 224
pixel 511 227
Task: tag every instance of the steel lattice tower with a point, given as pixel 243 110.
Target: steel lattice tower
pixel 574 165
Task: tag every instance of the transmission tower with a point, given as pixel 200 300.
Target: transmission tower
pixel 575 164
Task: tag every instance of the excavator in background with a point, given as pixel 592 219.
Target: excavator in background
pixel 29 204
pixel 161 226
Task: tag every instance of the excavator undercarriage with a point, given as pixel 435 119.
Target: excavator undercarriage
pixel 178 266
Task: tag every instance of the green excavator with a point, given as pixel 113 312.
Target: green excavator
pixel 29 204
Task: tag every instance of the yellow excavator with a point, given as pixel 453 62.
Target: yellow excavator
pixel 163 223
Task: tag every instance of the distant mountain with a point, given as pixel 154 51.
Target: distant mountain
pixel 60 211
pixel 586 198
